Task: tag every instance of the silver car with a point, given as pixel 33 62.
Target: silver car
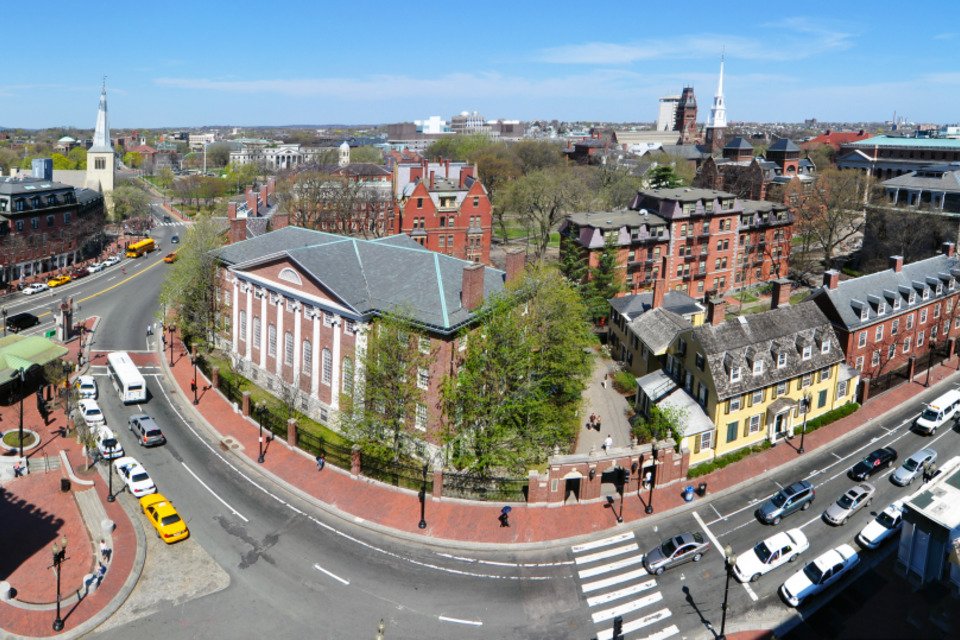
pixel 679 549
pixel 849 503
pixel 913 467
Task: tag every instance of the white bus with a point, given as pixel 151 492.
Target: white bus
pixel 127 379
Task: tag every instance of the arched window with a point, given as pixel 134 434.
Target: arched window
pixel 307 357
pixel 290 275
pixel 327 364
pixel 347 385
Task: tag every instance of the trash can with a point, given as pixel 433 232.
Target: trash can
pixel 65 485
pixel 688 494
pixel 702 489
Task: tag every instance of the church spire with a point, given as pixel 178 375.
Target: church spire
pixel 101 135
pixel 718 113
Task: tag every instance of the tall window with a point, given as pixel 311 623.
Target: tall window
pixel 100 163
pixel 423 378
pixel 347 385
pixel 272 340
pixel 257 325
pixel 243 326
pixel 307 357
pixel 327 363
pixel 288 348
pixel 420 421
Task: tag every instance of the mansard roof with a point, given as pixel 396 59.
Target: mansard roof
pixel 783 144
pixel 738 143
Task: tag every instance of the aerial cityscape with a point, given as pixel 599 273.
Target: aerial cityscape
pixel 367 321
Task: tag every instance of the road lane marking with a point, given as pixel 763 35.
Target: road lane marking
pixel 332 575
pixel 473 623
pixel 834 453
pixel 778 484
pixel 633 625
pixel 736 528
pixel 213 493
pixel 606 582
pixel 716 545
pixel 632 590
pixel 721 516
pixel 607 553
pixel 506 564
pixel 669 632
pixel 612 566
pixel 587 546
pixel 628 607
pixel 750 592
pixel 810 521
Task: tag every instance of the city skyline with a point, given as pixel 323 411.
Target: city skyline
pixel 365 64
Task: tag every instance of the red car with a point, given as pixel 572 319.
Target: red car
pixel 79 273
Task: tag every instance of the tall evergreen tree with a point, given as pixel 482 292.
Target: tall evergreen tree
pixel 664 177
pixel 573 262
pixel 605 282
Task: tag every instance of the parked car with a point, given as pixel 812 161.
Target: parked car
pixel 819 574
pixel 889 522
pixel 20 321
pixel 769 554
pixel 169 525
pixel 797 497
pixel 938 412
pixel 849 503
pixel 107 443
pixel 877 460
pixel 56 281
pixel 913 467
pixel 136 478
pixel 112 260
pixel 95 267
pixel 170 257
pixel 686 547
pixel 90 412
pixel 175 240
pixel 36 287
pixel 146 430
pixel 87 387
pixel 80 272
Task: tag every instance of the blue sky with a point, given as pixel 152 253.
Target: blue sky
pixel 176 63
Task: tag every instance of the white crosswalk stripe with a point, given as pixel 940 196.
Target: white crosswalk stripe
pixel 622 588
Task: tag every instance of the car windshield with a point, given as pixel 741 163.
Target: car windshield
pixel 93 412
pixel 911 465
pixel 929 414
pixel 762 551
pixel 171 519
pixel 779 499
pixel 813 573
pixel 140 477
pixel 886 520
pixel 669 547
pixel 845 501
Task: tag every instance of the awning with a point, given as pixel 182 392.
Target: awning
pixel 780 405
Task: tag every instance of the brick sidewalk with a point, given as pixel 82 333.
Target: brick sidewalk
pixel 473 522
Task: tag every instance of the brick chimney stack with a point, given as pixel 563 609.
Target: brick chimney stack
pixel 471 294
pixel 659 290
pixel 251 202
pixel 238 228
pixel 432 179
pixel 781 293
pixel 279 220
pixel 516 262
pixel 896 263
pixel 716 311
pixel 831 279
pixel 948 249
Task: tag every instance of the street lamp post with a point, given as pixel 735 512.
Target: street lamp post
pixel 259 410
pixel 59 556
pixel 729 561
pixel 653 479
pixel 193 360
pixel 423 499
pixel 171 328
pixel 110 496
pixel 20 373
pixel 803 429
pixel 3 312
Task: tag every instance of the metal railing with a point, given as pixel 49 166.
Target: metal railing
pixel 473 487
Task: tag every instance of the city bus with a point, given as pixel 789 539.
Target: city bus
pixel 137 249
pixel 126 378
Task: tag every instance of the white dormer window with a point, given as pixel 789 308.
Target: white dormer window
pixel 913 297
pixel 825 346
pixel 926 293
pixel 881 308
pixel 939 289
pixel 807 352
pixel 864 312
pixel 951 284
pixel 757 367
pixel 896 303
pixel 735 374
pixel 781 360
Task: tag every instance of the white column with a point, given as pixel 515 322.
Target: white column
pixel 335 372
pixel 297 347
pixel 315 364
pixel 236 317
pixel 264 321
pixel 280 340
pixel 248 332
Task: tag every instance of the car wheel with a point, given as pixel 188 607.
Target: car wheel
pixel 754 577
pixel 659 571
pixel 793 557
pixel 869 501
pixel 933 432
pixel 776 520
pixel 889 463
pixel 806 505
pixel 697 557
pixel 843 522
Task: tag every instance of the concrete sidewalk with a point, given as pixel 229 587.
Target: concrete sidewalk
pixel 474 524
pixel 609 405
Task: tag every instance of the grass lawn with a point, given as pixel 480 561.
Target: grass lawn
pixel 554 240
pixel 798 297
pixel 746 297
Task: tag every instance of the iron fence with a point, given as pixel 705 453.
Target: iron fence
pixel 396 473
pixel 336 454
pixel 474 487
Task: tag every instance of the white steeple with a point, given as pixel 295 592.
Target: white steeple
pixel 101 161
pixel 344 154
pixel 718 112
pixel 101 135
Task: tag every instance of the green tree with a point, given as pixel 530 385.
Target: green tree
pixel 541 199
pixel 614 187
pixel 133 159
pixel 241 175
pixel 78 155
pixel 188 291
pixel 664 177
pixel 605 282
pixel 129 201
pixel 516 395
pixel 573 262
pixel 380 414
pixel 8 160
pixel 663 422
pixel 218 154
pixel 60 162
pixel 366 154
pixel 460 148
pixel 534 155
pixel 165 177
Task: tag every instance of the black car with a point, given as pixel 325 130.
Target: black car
pixel 879 459
pixel 21 321
pixel 175 240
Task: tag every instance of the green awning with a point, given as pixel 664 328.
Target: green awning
pixel 24 352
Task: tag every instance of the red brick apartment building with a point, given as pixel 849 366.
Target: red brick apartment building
pixel 699 241
pixel 887 319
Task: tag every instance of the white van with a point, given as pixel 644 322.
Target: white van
pixel 938 412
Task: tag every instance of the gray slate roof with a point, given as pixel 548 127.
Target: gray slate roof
pixel 658 328
pixel 738 143
pixel 611 220
pixel 848 300
pixel 741 341
pixel 783 144
pixel 675 301
pixel 935 178
pixel 687 194
pixel 29 186
pixel 372 277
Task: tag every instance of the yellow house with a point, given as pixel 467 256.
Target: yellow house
pixel 741 381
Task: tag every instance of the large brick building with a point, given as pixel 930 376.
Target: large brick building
pixel 296 306
pixel 756 178
pixel 698 241
pixel 888 319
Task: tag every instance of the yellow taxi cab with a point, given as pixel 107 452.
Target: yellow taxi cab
pixel 164 518
pixel 56 281
pixel 170 257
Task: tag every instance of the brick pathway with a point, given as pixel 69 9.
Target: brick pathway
pixel 608 404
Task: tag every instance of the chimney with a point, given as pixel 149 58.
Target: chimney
pixel 446 169
pixel 231 211
pixel 471 295
pixel 238 230
pixel 279 221
pixel 432 179
pixel 516 261
pixel 659 290
pixel 831 279
pixel 251 202
pixel 781 293
pixel 716 311
pixel 896 263
pixel 948 249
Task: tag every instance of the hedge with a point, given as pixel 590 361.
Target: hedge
pixel 624 382
pixel 740 454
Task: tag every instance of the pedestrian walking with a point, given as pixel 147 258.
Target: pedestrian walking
pixel 504 517
pixel 596 425
pixel 18 470
pixel 101 572
pixel 105 550
pixel 608 443
pixel 321 461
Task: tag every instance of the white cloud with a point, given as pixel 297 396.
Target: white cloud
pixel 944 36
